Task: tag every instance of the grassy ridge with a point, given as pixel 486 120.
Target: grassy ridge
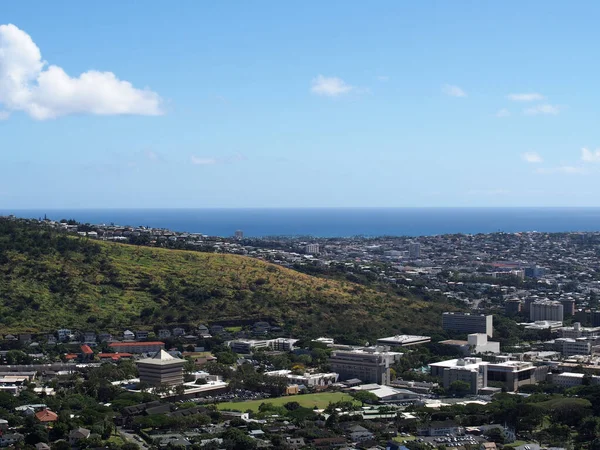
pixel 49 280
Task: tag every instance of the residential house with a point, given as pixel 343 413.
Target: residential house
pixel 46 416
pixel 105 337
pixel 178 331
pixel 164 333
pixel 128 335
pixel 42 446
pixel 358 433
pixel 89 338
pixel 203 331
pixel 78 434
pixel 64 334
pixel 141 335
pixel 10 439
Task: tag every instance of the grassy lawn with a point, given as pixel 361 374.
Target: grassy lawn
pixel 516 443
pixel 320 400
pixel 404 438
pixel 115 438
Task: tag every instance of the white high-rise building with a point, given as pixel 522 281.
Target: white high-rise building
pixel 312 249
pixel 546 310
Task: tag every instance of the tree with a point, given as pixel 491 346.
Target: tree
pixel 365 397
pixel 459 388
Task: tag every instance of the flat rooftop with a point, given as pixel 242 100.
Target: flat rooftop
pixel 404 339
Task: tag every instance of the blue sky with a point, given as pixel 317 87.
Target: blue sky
pixel 270 104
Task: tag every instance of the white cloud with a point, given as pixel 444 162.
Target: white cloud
pixel 532 157
pixel 588 155
pixel 503 113
pixel 568 170
pixel 29 84
pixel 330 86
pixel 453 91
pixel 4 115
pixel 200 161
pixel 528 97
pixel 203 161
pixel 383 78
pixel 545 109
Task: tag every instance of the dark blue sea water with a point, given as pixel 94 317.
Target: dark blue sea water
pixel 337 222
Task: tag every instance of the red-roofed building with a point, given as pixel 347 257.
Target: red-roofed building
pixel 114 356
pixel 46 416
pixel 137 347
pixel 71 356
pixel 87 354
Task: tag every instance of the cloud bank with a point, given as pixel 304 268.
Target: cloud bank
pixel 29 84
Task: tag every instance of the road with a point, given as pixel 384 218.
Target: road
pixel 130 437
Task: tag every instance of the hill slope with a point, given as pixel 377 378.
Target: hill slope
pixel 49 280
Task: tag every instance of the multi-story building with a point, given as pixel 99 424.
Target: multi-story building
pixel 414 250
pixel 370 365
pixel 535 272
pixel 546 310
pixel 475 343
pixel 468 323
pixel 246 346
pixel 312 249
pixel 239 235
pixel 570 379
pixel 577 331
pixel 137 347
pixel 570 347
pixel 568 306
pixel 514 374
pixel 162 369
pixel 513 307
pixel 473 371
pixel 282 344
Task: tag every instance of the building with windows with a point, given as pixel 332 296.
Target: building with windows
pixel 162 369
pixel 579 346
pixel 414 250
pixel 513 374
pixel 577 331
pixel 546 310
pixel 570 379
pixel 468 323
pixel 137 347
pixel 312 249
pixel 370 365
pixel 247 346
pixel 473 371
pixel 475 343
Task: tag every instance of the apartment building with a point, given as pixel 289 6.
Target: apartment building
pixel 546 310
pixel 370 365
pixel 468 323
pixel 578 331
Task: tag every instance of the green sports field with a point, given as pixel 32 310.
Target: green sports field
pixel 320 400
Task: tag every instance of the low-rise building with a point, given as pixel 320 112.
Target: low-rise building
pixel 137 347
pixel 571 379
pixel 472 371
pixel 513 374
pixel 403 340
pixel 476 343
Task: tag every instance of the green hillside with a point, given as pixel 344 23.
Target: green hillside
pixel 50 280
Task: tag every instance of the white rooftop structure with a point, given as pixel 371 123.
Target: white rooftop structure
pixel 404 340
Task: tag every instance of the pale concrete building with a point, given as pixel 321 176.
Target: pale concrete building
pixel 468 323
pixel 546 310
pixel 370 365
pixel 162 369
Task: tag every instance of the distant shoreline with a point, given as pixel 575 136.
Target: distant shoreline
pixel 337 222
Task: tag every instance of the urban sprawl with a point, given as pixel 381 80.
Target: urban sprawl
pixel 517 367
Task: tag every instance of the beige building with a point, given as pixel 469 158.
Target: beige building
pixel 161 369
pixel 370 365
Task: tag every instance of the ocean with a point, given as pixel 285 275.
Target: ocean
pixel 336 222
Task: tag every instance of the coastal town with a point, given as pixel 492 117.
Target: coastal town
pixel 527 339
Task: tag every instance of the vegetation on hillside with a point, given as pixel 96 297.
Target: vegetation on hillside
pixel 50 280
